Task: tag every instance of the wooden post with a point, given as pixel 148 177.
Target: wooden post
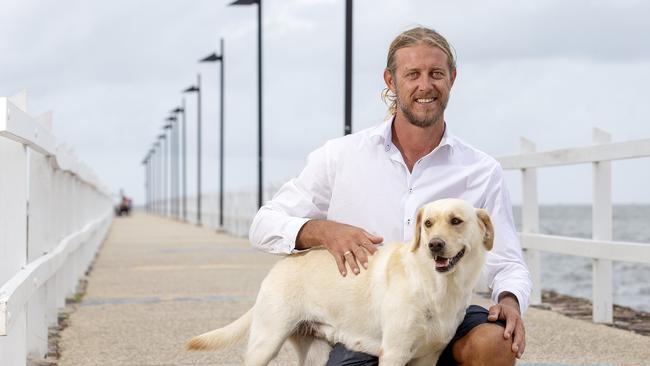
pixel 13 233
pixel 530 221
pixel 602 230
pixel 39 243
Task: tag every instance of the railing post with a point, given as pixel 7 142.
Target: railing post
pixel 530 221
pixel 602 230
pixel 13 233
pixel 41 308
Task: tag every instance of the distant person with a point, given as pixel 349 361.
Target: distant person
pixel 363 189
pixel 124 207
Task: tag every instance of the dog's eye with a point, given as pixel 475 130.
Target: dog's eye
pixel 456 221
pixel 428 223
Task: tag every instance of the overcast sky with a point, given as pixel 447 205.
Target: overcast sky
pixel 546 70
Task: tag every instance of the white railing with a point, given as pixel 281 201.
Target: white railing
pixel 54 214
pixel 601 248
pixel 240 207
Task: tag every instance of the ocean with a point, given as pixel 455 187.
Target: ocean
pixel 571 275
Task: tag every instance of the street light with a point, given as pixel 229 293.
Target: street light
pixel 173 135
pixel 259 93
pixel 197 88
pixel 347 129
pixel 152 183
pixel 154 178
pixel 168 169
pixel 184 159
pixel 147 183
pixel 163 174
pixel 213 58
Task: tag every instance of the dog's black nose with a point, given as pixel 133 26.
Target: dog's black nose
pixel 436 245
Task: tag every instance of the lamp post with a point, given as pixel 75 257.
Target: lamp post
pixel 165 173
pixel 169 144
pixel 197 88
pixel 173 136
pixel 158 178
pixel 152 182
pixel 159 175
pixel 213 58
pixel 347 129
pixel 259 93
pixel 145 162
pixel 183 159
pixel 152 167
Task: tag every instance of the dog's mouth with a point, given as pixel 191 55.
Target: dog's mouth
pixel 446 264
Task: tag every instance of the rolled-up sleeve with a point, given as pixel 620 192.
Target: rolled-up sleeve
pixel 505 266
pixel 277 223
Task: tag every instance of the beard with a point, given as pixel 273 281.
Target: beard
pixel 420 121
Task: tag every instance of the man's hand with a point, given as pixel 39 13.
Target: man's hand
pixel 508 309
pixel 348 244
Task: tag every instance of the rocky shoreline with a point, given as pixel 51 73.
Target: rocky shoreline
pixel 624 318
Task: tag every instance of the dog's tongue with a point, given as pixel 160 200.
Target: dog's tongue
pixel 442 262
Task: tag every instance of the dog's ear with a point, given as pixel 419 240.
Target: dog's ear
pixel 486 225
pixel 418 230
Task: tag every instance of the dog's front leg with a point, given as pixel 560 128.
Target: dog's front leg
pixel 397 345
pixel 426 360
pixel 394 356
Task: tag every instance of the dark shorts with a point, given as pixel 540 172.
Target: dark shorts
pixel 474 316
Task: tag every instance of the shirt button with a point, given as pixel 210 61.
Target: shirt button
pixel 408 222
pixel 411 190
pixel 387 147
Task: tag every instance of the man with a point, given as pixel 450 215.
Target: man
pixel 371 183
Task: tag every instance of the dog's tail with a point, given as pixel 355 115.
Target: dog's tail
pixel 224 337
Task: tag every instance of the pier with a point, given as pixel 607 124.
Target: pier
pixel 158 282
pixel 155 279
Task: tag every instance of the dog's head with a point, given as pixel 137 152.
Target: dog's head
pixel 449 230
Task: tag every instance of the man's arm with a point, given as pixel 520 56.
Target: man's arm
pixel 295 219
pixel 506 269
pixel 276 225
pixel 507 272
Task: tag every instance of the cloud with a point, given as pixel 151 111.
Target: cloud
pixel 549 70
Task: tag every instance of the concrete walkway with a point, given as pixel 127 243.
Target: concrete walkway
pixel 157 283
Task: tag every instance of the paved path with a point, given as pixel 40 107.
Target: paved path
pixel 158 282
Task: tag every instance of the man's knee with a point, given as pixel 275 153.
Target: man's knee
pixel 484 345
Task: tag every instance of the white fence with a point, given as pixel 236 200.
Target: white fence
pixel 601 248
pixel 239 209
pixel 53 217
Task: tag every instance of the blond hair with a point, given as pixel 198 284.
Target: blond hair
pixel 413 37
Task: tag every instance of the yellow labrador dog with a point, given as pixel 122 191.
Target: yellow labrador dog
pixel 404 309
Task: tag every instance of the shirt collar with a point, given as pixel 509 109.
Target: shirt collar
pixel 383 133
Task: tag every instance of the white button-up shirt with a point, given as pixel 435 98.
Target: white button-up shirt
pixel 361 179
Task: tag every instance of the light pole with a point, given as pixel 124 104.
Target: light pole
pixel 259 93
pixel 168 169
pixel 152 180
pixel 213 58
pixel 184 158
pixel 173 135
pixel 145 162
pixel 163 150
pixel 152 167
pixel 158 147
pixel 197 88
pixel 347 129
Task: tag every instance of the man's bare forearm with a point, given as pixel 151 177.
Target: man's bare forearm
pixel 310 235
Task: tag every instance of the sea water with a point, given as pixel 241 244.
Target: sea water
pixel 572 275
